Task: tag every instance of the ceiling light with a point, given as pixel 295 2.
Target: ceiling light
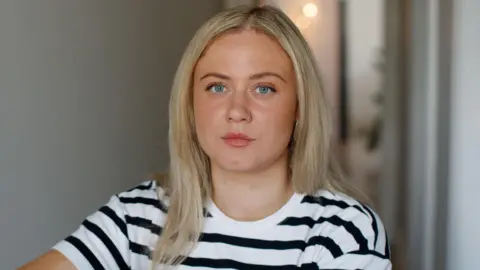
pixel 310 10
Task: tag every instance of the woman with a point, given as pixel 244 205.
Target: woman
pixel 251 182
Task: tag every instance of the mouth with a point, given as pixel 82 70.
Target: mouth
pixel 237 139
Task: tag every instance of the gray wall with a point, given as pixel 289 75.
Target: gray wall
pixel 84 88
pixel 464 214
pixel 443 135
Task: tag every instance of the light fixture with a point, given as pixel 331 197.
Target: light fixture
pixel 310 10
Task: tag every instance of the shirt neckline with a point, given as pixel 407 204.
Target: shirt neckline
pixel 220 218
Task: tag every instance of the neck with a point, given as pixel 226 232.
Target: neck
pixel 251 196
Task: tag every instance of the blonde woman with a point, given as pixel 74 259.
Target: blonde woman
pixel 251 183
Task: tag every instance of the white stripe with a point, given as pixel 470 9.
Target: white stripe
pixel 140 261
pixel 142 236
pixel 355 261
pixel 382 237
pixel 247 255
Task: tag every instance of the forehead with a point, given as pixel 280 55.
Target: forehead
pixel 245 50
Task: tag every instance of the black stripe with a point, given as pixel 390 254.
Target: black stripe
pixel 252 243
pixel 298 221
pixel 140 249
pixel 314 266
pixel 142 187
pixel 225 239
pixel 206 213
pixel 335 220
pixel 231 264
pixel 374 225
pixel 310 266
pixel 387 246
pixel 143 223
pixel 116 219
pixel 369 252
pixel 146 201
pixel 323 201
pixel 328 243
pixel 107 242
pixel 82 248
pixel 221 263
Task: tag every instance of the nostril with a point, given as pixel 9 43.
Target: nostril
pixel 238 114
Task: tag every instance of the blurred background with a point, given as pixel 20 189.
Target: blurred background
pixel 84 89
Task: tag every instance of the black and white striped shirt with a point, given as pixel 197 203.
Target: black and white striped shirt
pixel 325 231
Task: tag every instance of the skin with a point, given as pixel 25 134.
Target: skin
pixel 245 83
pixel 52 260
pixel 233 92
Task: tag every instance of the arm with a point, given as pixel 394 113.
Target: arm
pixel 50 260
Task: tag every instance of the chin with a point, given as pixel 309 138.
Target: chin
pixel 237 167
pixel 238 164
pixel 244 162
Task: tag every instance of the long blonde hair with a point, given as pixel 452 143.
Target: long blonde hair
pixel 189 185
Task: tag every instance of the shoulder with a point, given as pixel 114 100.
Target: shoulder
pixel 141 207
pixel 145 189
pixel 347 224
pixel 141 199
pixel 119 231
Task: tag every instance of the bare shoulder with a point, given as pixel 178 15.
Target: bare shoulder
pixel 52 260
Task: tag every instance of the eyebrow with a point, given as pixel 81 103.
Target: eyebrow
pixel 252 77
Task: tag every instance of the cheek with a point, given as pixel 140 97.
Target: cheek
pixel 205 115
pixel 201 120
pixel 280 121
pixel 282 127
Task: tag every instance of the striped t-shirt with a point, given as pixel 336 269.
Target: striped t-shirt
pixel 325 231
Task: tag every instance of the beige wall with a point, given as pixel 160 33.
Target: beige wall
pixel 365 37
pixel 322 33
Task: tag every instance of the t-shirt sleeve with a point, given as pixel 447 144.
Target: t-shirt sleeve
pixel 101 241
pixel 360 241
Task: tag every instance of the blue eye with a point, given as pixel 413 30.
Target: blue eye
pixel 263 90
pixel 216 88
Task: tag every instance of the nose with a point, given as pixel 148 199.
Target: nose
pixel 239 110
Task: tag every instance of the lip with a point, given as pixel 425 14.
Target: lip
pixel 237 136
pixel 237 139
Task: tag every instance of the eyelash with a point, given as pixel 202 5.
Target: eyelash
pixel 210 85
pixel 267 86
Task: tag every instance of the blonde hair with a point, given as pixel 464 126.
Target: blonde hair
pixel 189 185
